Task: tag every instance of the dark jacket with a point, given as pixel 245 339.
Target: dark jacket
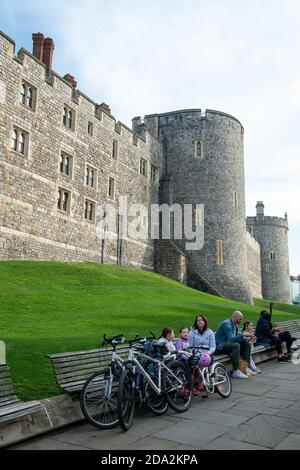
pixel 263 331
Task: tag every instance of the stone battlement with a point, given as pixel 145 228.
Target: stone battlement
pixel 268 220
pixel 33 65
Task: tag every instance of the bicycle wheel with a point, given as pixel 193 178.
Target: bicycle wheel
pixel 157 404
pixel 98 399
pixel 221 375
pixel 126 399
pixel 178 394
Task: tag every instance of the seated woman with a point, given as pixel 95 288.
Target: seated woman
pixel 202 337
pixel 269 336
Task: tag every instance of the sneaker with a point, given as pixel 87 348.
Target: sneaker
pixel 237 374
pixel 282 359
pixel 257 370
pixel 295 348
pixel 288 356
pixel 249 371
pixel 195 391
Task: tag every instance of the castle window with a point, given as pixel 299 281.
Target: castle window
pixel 89 210
pixel 28 95
pixel 198 149
pixel 115 149
pixel 19 141
pixel 23 94
pixel 69 118
pixel 65 165
pixel 267 267
pixel 111 188
pixel 154 173
pixel 197 216
pixel 14 143
pixel 90 128
pixel 64 200
pixel 143 167
pixel 220 245
pixel 272 255
pixel 235 200
pixel 90 176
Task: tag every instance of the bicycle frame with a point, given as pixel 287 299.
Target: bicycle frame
pixel 136 364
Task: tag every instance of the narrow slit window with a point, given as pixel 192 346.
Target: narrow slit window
pixel 198 149
pixel 220 255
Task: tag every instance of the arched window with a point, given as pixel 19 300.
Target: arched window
pixel 61 162
pixel 14 141
pixel 198 149
pixel 65 116
pixel 69 120
pixel 91 179
pixel 87 176
pixel 23 94
pixel 21 142
pixel 65 201
pixel 29 97
pixel 67 166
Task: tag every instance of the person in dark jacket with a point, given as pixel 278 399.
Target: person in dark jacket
pixel 267 335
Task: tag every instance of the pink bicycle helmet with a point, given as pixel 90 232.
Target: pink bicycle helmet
pixel 205 360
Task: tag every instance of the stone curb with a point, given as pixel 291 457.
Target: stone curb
pixel 56 413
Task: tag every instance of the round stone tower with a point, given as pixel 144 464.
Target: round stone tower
pixel 272 235
pixel 204 164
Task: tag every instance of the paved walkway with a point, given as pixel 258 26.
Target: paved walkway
pixel 263 412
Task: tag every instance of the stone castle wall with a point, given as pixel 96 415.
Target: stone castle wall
pixel 254 266
pixel 31 226
pixel 272 235
pixel 213 179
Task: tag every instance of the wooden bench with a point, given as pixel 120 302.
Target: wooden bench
pixel 10 405
pixel 73 368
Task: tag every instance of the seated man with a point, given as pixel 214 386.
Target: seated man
pixel 229 341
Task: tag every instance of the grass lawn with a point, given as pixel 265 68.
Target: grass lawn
pixel 50 307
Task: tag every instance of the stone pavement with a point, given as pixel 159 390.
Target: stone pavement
pixel 263 412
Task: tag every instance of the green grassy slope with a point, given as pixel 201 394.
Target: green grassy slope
pixel 54 307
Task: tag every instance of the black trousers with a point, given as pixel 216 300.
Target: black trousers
pixel 284 337
pixel 235 351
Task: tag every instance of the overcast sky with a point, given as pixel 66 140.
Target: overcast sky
pixel 149 56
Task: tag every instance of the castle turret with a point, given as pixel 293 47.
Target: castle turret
pixel 272 235
pixel 204 164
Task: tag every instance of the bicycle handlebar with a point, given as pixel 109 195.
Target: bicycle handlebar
pixel 121 339
pixel 114 339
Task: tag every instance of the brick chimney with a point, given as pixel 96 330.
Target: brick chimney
pixel 70 79
pixel 38 45
pixel 105 107
pixel 43 49
pixel 48 53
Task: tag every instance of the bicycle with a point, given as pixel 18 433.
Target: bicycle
pixel 170 384
pixel 98 397
pixel 214 378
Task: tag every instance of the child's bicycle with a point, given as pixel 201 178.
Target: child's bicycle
pixel 213 377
